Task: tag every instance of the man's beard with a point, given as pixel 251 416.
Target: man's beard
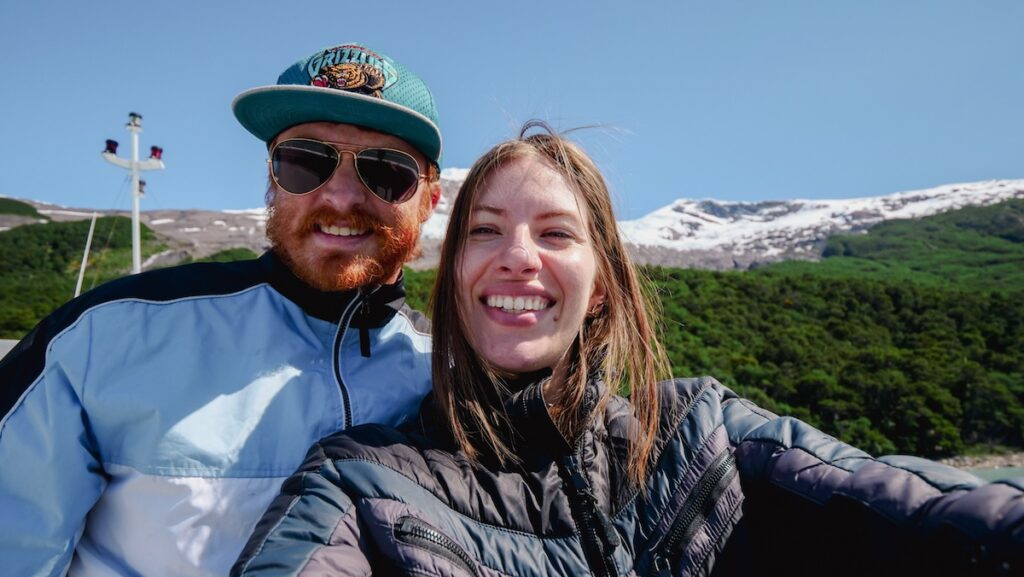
pixel 396 245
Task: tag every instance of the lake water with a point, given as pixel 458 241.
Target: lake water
pixel 998 473
pixel 5 346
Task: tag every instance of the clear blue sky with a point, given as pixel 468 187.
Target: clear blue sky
pixel 733 100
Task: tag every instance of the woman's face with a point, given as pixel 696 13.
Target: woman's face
pixel 528 272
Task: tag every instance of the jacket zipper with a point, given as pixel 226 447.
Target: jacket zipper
pixel 415 532
pixel 596 533
pixel 364 332
pixel 696 510
pixel 346 319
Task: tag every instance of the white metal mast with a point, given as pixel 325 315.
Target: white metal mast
pixel 154 162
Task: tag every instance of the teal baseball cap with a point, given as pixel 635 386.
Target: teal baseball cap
pixel 349 84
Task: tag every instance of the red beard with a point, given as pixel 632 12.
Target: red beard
pixel 395 245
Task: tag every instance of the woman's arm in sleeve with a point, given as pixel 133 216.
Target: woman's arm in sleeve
pixel 898 514
pixel 311 528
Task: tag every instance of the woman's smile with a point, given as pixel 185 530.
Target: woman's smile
pixel 515 308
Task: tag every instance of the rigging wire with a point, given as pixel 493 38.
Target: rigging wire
pixel 94 276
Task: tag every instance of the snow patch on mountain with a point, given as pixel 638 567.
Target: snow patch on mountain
pixel 750 233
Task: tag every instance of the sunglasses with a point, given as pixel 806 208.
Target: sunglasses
pixel 302 165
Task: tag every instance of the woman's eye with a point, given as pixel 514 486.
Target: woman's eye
pixel 482 229
pixel 559 234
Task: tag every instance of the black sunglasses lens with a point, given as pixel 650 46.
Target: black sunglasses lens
pixel 301 166
pixel 389 174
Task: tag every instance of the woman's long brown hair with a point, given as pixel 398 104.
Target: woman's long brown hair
pixel 618 342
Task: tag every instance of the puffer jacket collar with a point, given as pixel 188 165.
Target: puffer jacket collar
pixel 535 434
pixel 536 430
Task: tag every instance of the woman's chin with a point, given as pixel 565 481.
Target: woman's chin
pixel 518 366
pixel 510 352
pixel 513 362
pixel 518 369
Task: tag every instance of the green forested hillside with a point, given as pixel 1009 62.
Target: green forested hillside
pixel 974 248
pixel 890 365
pixel 907 339
pixel 40 265
pixel 18 208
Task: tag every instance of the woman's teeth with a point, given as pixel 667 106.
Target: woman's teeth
pixel 515 304
pixel 343 230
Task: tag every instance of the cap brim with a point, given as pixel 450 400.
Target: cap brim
pixel 268 110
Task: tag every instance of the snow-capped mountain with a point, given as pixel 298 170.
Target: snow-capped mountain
pixel 728 235
pixel 686 233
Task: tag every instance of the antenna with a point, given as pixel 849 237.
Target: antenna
pixel 154 162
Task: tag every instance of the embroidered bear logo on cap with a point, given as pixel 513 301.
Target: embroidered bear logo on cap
pixel 351 68
pixel 361 78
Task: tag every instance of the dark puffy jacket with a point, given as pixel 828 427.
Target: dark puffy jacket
pixel 374 500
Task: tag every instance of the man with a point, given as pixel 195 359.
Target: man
pixel 147 425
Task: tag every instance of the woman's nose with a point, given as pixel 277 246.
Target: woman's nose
pixel 520 255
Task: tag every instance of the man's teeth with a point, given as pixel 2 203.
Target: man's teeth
pixel 510 303
pixel 343 230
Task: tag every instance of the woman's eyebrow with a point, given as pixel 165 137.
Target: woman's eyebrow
pixel 558 214
pixel 489 209
pixel 543 216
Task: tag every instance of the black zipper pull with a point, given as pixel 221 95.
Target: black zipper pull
pixel 364 332
pixel 579 482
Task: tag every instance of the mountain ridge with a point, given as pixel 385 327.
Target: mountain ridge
pixel 688 233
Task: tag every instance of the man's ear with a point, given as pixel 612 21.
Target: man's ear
pixel 435 197
pixel 435 194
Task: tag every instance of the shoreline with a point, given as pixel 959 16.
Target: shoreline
pixel 999 461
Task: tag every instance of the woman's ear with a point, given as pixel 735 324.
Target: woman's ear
pixel 597 298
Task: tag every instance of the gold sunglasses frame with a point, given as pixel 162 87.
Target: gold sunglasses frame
pixel 406 196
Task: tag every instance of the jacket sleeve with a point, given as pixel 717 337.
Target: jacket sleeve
pixel 814 502
pixel 50 473
pixel 311 529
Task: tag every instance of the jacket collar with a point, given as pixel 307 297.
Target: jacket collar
pixel 381 305
pixel 535 433
pixel 532 422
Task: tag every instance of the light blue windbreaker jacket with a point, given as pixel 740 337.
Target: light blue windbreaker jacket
pixel 146 426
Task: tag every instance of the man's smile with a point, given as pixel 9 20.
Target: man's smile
pixel 342 230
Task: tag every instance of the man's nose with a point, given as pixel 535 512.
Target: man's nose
pixel 344 189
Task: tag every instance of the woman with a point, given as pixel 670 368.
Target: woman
pixel 525 462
